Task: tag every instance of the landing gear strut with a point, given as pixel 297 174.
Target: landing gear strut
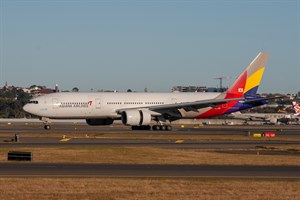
pixel 46 122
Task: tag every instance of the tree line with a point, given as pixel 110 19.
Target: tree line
pixel 12 102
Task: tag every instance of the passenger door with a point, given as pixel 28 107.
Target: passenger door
pixel 98 103
pixel 55 103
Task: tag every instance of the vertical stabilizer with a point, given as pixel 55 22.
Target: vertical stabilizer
pixel 248 82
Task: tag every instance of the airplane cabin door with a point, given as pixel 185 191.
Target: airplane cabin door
pixel 55 103
pixel 174 100
pixel 98 103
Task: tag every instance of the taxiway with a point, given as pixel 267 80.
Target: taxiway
pixel 103 136
pixel 147 170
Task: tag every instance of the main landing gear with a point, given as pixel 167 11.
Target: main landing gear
pixel 154 127
pixel 140 127
pixel 161 127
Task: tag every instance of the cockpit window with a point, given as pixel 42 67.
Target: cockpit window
pixel 33 102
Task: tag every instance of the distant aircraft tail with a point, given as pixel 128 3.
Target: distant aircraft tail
pixel 248 82
pixel 296 108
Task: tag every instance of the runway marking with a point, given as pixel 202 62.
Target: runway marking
pixel 65 139
pixel 179 141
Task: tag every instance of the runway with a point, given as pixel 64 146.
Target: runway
pixel 82 128
pixel 163 143
pixel 121 136
pixel 145 170
pixel 105 136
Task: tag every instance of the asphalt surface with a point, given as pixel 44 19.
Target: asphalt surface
pixel 100 136
pixel 119 142
pixel 144 170
pixel 82 128
pixel 29 169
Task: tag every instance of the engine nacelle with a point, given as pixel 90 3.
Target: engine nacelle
pixel 136 118
pixel 99 122
pixel 273 120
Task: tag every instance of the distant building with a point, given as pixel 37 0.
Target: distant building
pixel 6 87
pixel 46 91
pixel 56 88
pixel 189 89
pixel 36 91
pixel 197 89
pixel 215 89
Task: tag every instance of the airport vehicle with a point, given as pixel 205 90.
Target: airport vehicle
pixel 296 108
pixel 271 118
pixel 138 110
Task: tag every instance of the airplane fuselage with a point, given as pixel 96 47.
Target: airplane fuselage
pixel 104 105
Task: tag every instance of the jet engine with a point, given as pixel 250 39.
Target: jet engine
pixel 273 120
pixel 136 118
pixel 99 122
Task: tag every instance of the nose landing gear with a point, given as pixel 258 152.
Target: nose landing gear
pixel 46 122
pixel 47 127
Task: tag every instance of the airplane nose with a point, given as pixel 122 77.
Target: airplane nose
pixel 26 108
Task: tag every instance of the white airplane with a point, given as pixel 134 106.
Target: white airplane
pixel 271 118
pixel 140 109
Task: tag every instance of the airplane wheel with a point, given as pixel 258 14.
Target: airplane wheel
pixel 140 127
pixel 161 127
pixel 155 127
pixel 47 127
pixel 168 128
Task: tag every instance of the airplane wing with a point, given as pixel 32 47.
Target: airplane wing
pixel 254 100
pixel 173 109
pixel 193 106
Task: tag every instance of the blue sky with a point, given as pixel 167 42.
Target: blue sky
pixel 155 44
